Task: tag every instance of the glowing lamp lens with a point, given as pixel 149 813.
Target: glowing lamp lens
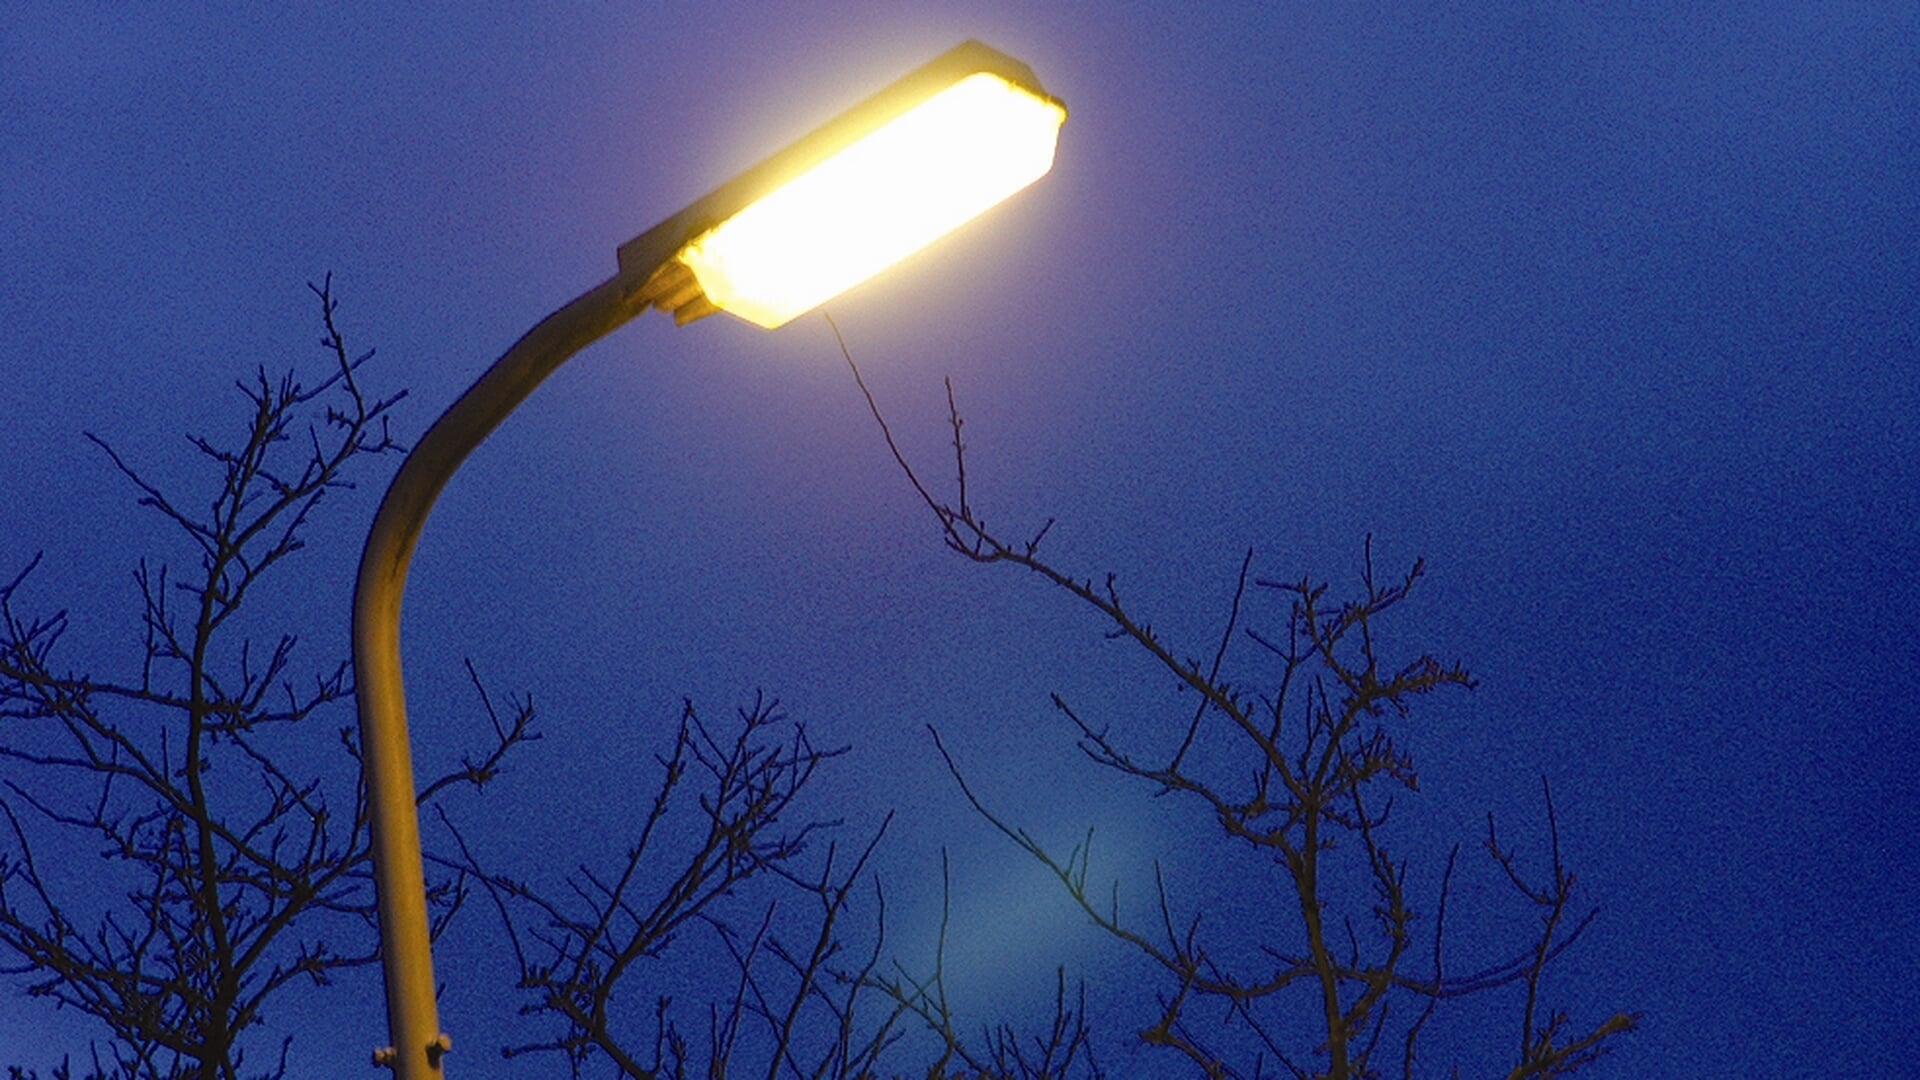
pixel 879 200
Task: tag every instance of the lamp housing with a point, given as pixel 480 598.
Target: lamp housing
pixel 867 189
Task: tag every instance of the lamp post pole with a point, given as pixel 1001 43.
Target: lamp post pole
pixel 387 763
pixel 712 256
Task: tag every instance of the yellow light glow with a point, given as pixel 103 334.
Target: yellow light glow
pixel 879 200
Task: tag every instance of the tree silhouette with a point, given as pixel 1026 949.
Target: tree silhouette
pixel 1297 765
pixel 239 873
pixel 713 859
pixel 241 869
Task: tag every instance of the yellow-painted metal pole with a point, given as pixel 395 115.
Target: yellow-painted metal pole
pixel 400 883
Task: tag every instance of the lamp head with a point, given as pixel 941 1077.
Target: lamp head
pixel 874 185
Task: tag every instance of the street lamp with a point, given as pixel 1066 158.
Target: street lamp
pixel 877 183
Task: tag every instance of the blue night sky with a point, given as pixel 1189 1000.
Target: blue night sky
pixel 1610 313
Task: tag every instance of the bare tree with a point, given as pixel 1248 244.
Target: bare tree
pixel 240 877
pixel 1301 775
pixel 239 872
pixel 716 858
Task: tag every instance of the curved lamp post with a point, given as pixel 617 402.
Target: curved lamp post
pixel 874 185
